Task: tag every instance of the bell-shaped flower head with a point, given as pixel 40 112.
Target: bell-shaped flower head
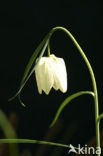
pixel 51 72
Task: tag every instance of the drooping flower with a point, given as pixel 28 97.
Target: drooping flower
pixel 51 72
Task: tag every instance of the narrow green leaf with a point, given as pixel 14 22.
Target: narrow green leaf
pixel 27 72
pixel 32 59
pixel 32 71
pixel 100 117
pixel 67 101
pixel 8 132
pixel 32 142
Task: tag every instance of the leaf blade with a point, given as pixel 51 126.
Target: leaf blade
pixel 32 58
pixel 22 85
pixel 26 74
pixel 32 141
pixel 66 101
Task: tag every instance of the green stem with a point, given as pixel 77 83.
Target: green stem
pixel 100 117
pixel 49 48
pixel 92 77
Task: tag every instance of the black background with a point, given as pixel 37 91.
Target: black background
pixel 22 27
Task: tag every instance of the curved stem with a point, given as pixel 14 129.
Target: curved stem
pixel 92 78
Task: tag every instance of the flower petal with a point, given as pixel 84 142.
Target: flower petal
pixel 60 74
pixel 44 75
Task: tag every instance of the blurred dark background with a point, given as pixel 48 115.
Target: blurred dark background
pixel 23 25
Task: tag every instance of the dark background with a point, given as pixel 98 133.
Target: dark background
pixel 22 27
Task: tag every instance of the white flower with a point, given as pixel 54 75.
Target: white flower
pixel 51 72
